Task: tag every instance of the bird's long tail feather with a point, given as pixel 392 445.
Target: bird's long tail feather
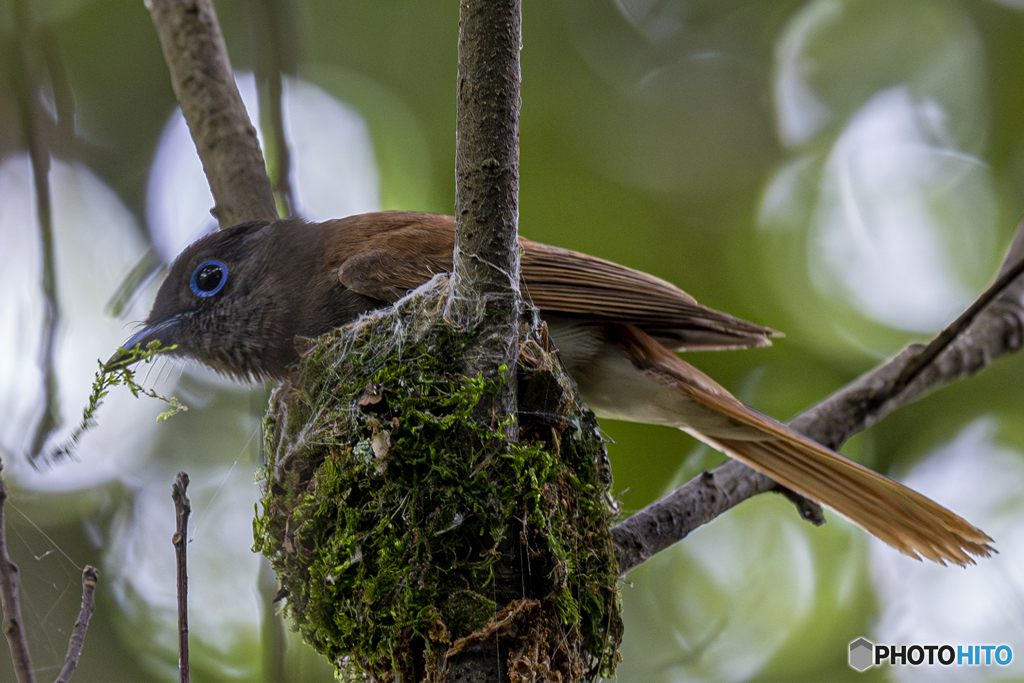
pixel 903 518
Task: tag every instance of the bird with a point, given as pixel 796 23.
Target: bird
pixel 237 299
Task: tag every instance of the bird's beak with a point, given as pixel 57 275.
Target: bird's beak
pixel 161 332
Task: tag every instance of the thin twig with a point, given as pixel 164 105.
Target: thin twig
pixel 275 56
pixel 13 625
pixel 205 87
pixel 916 365
pixel 273 633
pixel 991 327
pixel 979 336
pixel 182 509
pixel 90 575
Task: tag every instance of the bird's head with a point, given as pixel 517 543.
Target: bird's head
pixel 233 300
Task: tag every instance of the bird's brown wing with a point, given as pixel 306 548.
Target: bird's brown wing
pixel 384 255
pixel 575 285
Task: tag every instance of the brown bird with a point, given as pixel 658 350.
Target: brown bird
pixel 236 299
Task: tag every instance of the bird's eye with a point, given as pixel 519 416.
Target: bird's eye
pixel 209 278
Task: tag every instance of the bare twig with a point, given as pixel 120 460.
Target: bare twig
pixel 182 509
pixel 989 328
pixel 25 87
pixel 274 56
pixel 205 87
pixel 917 364
pixel 990 332
pixel 13 625
pixel 89 577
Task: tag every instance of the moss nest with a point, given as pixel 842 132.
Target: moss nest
pixel 403 532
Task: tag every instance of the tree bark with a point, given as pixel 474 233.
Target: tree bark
pixel 205 87
pixel 486 259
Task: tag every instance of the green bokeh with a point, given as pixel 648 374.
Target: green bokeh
pixel 649 135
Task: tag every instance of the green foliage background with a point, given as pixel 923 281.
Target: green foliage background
pixel 651 135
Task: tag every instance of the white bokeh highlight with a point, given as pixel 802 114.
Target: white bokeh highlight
pixel 728 601
pixel 924 603
pixel 334 169
pixel 333 166
pixel 334 174
pixel 96 243
pixel 1012 4
pixel 902 216
pixel 882 181
pixel 658 20
pixel 800 113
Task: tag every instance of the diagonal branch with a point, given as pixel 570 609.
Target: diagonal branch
pixel 991 327
pixel 205 87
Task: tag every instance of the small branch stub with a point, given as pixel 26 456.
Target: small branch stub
pixel 90 575
pixel 182 510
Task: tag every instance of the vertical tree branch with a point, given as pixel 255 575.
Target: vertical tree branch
pixel 182 510
pixel 275 55
pixel 205 87
pixel 486 260
pixel 13 626
pixel 25 86
pixel 90 575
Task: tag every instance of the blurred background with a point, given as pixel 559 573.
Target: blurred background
pixel 847 171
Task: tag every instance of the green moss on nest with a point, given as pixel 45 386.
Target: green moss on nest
pixel 390 516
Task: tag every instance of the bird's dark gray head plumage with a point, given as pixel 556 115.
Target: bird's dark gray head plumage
pixel 236 299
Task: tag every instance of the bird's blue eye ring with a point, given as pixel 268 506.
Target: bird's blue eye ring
pixel 209 278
